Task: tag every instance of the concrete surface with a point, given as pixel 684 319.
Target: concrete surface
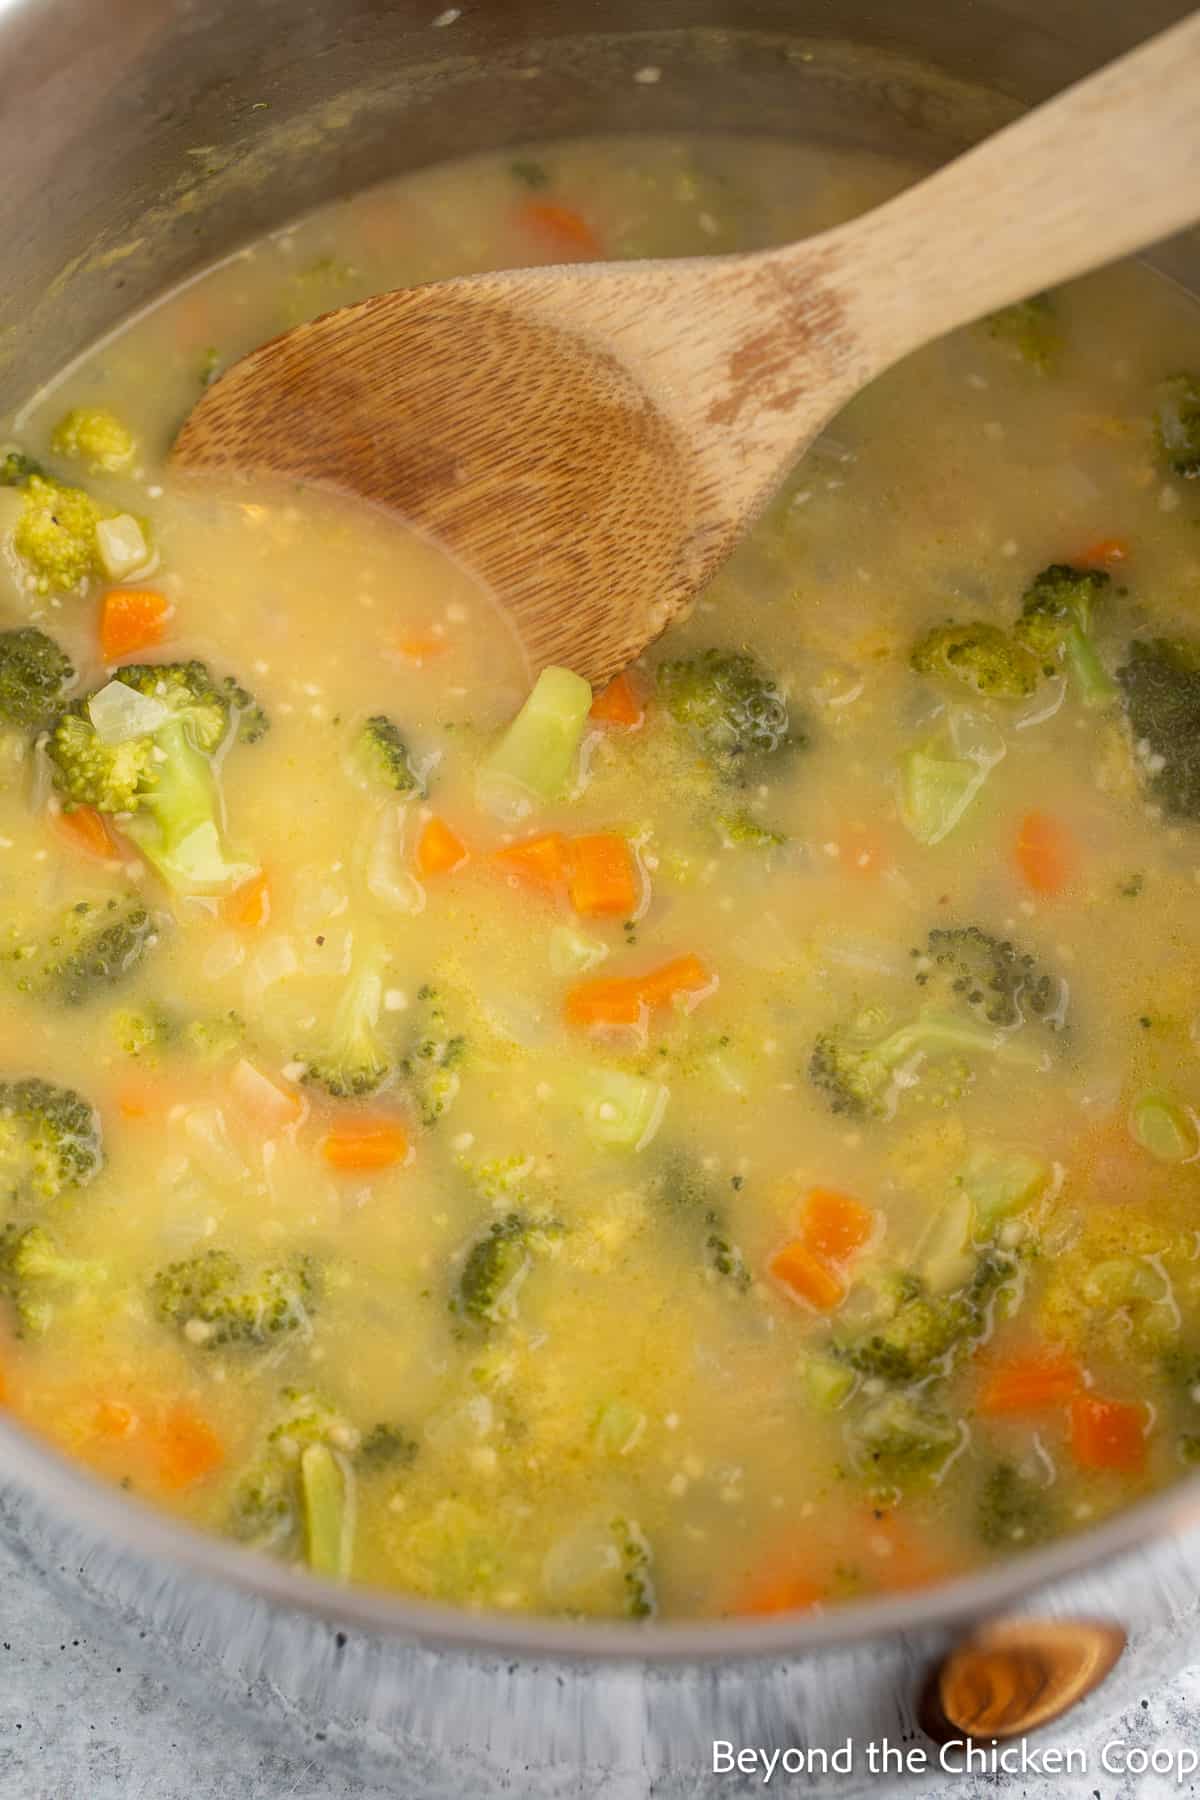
pixel 78 1721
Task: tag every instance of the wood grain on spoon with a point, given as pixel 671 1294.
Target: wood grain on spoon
pixel 593 440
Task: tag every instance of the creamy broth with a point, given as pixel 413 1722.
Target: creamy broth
pixel 604 1318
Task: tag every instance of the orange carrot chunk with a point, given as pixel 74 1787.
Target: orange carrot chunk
pixel 618 704
pixel 560 228
pixel 419 649
pixel 806 1276
pixel 836 1225
pixel 619 1001
pixel 1045 854
pixel 1107 1434
pixel 602 880
pixel 361 1145
pixel 439 850
pixel 540 862
pixel 132 619
pixel 1031 1383
pixel 683 980
pixel 248 908
pixel 1105 553
pixel 188 1449
pixel 87 830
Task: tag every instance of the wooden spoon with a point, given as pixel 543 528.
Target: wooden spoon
pixel 594 439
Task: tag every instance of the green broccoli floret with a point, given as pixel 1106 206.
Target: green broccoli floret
pixel 863 1069
pixel 49 1140
pixel 16 468
pixel 990 976
pixel 1177 416
pixel 163 776
pixel 34 677
pixel 385 758
pixel 1057 614
pixel 353 1059
pixel 1161 686
pixel 1029 329
pixel 386 1447
pixel 95 946
pixel 36 1277
pixel 742 831
pixel 903 1438
pixel 926 1332
pixel 219 1035
pixel 637 1569
pixel 270 1502
pixel 1013 1512
pixel 214 1300
pixel 432 1064
pixel 55 535
pixel 979 654
pixel 686 1191
pixel 96 436
pixel 492 1273
pixel 730 704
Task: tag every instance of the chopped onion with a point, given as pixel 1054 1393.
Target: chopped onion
pixel 119 713
pixel 122 547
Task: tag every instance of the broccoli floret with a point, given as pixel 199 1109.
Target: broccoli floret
pixel 55 535
pixel 1177 416
pixel 35 1276
pixel 386 1447
pixel 34 677
pixel 210 1039
pixel 354 1060
pixel 214 1300
pixel 1013 1512
pixel 637 1569
pixel 730 704
pixel 1029 329
pixel 927 1332
pixel 385 757
pixel 16 468
pixel 997 982
pixel 979 654
pixel 96 436
pixel 1161 686
pixel 1057 612
pixel 742 831
pixel 95 946
pixel 432 1064
pixel 686 1191
pixel 49 1140
pixel 863 1069
pixel 163 777
pixel 495 1267
pixel 268 1502
pixel 903 1438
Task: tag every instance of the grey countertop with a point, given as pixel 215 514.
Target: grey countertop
pixel 79 1720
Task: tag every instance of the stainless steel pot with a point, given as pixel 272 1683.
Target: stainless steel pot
pixel 141 139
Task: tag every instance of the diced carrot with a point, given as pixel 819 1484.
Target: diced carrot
pixel 602 880
pixel 1045 854
pixel 835 1224
pixel 784 1593
pixel 620 1001
pixel 541 862
pixel 132 619
pixel 1034 1382
pixel 901 1557
pixel 618 704
pixel 1107 1434
pixel 115 1419
pixel 559 227
pixel 685 979
pixel 807 1276
pixel 360 1145
pixel 439 850
pixel 861 852
pixel 137 1099
pixel 1104 553
pixel 87 830
pixel 263 1100
pixel 248 908
pixel 418 649
pixel 188 1448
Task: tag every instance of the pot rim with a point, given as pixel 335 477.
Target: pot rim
pixel 133 1526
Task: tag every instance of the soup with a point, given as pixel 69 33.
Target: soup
pixel 727 1144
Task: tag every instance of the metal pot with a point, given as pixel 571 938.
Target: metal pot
pixel 141 139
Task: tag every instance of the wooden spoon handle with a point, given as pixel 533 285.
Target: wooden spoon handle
pixel 1110 166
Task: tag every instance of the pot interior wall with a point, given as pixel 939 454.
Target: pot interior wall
pixel 141 140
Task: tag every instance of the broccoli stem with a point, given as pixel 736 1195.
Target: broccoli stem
pixel 1095 685
pixel 328 1518
pixel 534 760
pixel 935 792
